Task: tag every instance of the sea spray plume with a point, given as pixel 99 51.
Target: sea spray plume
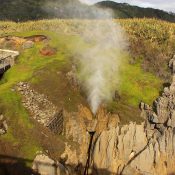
pixel 100 62
pixel 73 9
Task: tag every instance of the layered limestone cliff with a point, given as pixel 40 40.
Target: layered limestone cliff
pixel 102 146
pixel 147 148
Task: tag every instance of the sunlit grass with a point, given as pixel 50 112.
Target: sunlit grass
pixel 138 85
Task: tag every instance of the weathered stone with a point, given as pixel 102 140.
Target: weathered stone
pixel 113 121
pixel 7 59
pixel 45 165
pixel 141 149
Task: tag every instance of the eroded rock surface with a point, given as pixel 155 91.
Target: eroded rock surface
pixel 141 149
pixel 77 128
pixel 147 148
pixel 44 165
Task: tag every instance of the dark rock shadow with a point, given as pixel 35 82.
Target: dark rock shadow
pixel 15 166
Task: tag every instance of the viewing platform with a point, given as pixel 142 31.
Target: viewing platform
pixel 7 59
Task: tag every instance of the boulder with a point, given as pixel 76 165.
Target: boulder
pixel 45 165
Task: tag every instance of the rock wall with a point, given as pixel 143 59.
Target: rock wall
pixel 147 148
pixel 77 127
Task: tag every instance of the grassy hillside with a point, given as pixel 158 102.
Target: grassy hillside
pixel 124 10
pixel 142 73
pixel 24 10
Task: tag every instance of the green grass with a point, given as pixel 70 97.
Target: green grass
pixel 137 85
pixel 19 124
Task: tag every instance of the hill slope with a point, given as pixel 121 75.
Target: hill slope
pixel 124 10
pixel 23 10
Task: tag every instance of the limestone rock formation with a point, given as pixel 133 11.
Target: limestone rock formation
pixel 77 128
pixel 141 149
pixel 147 148
pixel 45 165
pixel 7 58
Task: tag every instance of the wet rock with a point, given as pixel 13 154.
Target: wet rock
pixel 141 149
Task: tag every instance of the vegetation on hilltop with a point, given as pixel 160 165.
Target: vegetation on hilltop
pixel 24 10
pixel 124 10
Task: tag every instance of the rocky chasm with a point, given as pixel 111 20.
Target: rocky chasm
pixel 147 148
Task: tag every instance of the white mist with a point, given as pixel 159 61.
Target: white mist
pixel 100 62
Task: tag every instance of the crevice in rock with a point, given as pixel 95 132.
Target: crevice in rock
pixel 135 156
pixel 91 133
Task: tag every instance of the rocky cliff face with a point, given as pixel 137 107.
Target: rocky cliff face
pixel 141 149
pixel 146 149
pixel 104 147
